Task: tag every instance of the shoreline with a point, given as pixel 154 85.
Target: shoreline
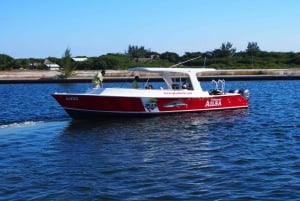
pixel 43 76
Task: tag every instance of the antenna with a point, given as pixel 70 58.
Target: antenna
pixel 184 62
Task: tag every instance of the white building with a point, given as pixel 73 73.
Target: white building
pixel 79 59
pixel 50 65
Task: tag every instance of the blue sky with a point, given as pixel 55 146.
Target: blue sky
pixel 39 29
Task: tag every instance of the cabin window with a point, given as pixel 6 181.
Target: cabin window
pixel 175 86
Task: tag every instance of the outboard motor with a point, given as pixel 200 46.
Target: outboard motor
pixel 244 92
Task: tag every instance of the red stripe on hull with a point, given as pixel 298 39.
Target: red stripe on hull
pixel 86 105
pixel 99 103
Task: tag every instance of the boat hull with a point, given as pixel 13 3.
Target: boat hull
pixel 80 106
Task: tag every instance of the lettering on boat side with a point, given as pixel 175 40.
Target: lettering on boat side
pixel 213 103
pixel 72 98
pixel 177 92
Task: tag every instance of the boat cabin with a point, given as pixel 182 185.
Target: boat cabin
pixel 189 75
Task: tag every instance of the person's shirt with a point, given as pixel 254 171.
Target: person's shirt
pixel 135 84
pixel 97 80
pixel 100 77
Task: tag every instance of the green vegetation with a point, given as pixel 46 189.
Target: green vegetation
pixel 67 67
pixel 224 57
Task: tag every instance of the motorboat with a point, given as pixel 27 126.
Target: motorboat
pixel 181 92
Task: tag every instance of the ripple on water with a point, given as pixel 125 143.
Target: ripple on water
pixel 250 154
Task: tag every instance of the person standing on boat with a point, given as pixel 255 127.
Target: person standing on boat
pixel 135 83
pixel 98 79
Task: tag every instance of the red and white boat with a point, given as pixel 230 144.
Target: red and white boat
pixel 174 97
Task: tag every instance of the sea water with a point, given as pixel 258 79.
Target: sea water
pixel 248 154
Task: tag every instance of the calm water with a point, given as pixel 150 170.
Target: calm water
pixel 251 154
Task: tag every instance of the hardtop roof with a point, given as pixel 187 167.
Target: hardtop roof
pixel 171 70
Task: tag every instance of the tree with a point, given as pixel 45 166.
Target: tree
pixel 66 64
pixel 226 50
pixel 294 60
pixel 85 65
pixel 170 56
pixel 252 49
pixel 192 59
pixel 137 52
pixel 6 62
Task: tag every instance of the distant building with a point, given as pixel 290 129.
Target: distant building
pixel 79 59
pixel 50 65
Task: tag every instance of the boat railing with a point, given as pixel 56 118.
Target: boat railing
pixel 219 87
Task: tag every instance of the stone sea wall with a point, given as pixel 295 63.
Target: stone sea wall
pixel 48 76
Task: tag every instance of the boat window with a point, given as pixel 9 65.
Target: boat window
pixel 175 86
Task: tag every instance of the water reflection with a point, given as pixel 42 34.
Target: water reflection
pixel 178 121
pixel 134 152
